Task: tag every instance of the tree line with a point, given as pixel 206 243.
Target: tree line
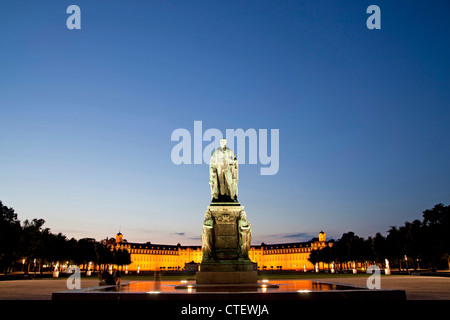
pixel 28 246
pixel 415 245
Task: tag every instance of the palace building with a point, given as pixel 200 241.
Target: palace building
pixel 282 256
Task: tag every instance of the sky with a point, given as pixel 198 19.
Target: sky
pixel 86 116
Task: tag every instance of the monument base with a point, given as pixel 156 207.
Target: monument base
pixel 226 277
pixel 240 271
pixel 227 265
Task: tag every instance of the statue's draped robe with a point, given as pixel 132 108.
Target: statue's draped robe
pixel 207 238
pixel 245 237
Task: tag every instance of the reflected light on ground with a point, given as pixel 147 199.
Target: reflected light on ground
pixel 154 287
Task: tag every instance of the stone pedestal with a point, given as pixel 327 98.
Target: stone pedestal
pixel 227 264
pixel 236 277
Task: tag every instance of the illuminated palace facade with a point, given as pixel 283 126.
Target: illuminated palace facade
pixel 154 257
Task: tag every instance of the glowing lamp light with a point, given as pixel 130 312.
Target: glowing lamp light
pixel 303 291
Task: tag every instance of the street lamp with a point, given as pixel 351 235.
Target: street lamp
pixel 406 260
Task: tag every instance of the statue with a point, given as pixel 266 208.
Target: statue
pixel 207 236
pixel 223 174
pixel 226 233
pixel 245 235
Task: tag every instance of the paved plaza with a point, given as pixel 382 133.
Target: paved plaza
pixel 416 287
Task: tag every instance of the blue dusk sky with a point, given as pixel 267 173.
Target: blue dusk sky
pixel 86 116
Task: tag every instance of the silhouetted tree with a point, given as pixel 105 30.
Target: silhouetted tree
pixel 379 247
pixel 427 241
pixel 9 237
pixel 31 242
pixel 85 251
pixel 436 222
pixel 326 255
pixel 104 254
pixel 122 257
pixel 395 246
pixel 314 256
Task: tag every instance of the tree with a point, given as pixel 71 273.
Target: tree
pixel 9 237
pixel 395 246
pixel 326 255
pixel 105 255
pixel 314 256
pixel 85 251
pixel 31 242
pixel 379 247
pixel 436 223
pixel 122 257
pixel 346 247
pixel 411 234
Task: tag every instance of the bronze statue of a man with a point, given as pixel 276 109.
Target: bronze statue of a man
pixel 223 174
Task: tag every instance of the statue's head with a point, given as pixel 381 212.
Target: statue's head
pixel 243 215
pixel 223 143
pixel 207 215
